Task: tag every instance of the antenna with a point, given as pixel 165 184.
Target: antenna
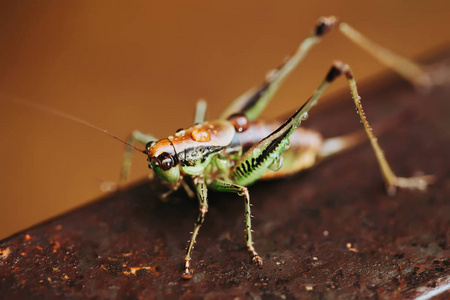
pixel 63 115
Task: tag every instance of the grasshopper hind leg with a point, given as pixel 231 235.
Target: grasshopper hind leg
pixel 254 101
pixel 392 181
pixel 254 163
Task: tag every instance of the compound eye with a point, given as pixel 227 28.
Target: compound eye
pixel 166 164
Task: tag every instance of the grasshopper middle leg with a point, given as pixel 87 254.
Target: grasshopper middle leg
pixel 223 186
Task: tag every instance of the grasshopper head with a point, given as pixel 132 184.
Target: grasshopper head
pixel 163 160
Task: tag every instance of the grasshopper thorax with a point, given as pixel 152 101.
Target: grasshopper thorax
pixel 163 160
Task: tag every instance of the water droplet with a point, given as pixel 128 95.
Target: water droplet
pixel 271 75
pixel 276 164
pixel 287 145
pixel 200 135
pixel 305 116
pixel 180 133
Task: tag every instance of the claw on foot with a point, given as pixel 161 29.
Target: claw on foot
pixel 186 274
pixel 413 183
pixel 108 186
pixel 257 260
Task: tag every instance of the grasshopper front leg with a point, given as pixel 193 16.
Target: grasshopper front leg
pixel 135 136
pixel 202 194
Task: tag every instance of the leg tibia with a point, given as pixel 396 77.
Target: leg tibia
pixel 203 209
pixel 391 180
pixel 403 66
pixel 223 186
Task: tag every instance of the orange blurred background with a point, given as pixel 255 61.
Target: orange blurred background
pixel 143 65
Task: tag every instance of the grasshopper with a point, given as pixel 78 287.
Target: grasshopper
pixel 238 149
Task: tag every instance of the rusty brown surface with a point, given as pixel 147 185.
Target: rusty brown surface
pixel 331 232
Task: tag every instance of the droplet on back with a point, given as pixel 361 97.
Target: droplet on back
pixel 200 135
